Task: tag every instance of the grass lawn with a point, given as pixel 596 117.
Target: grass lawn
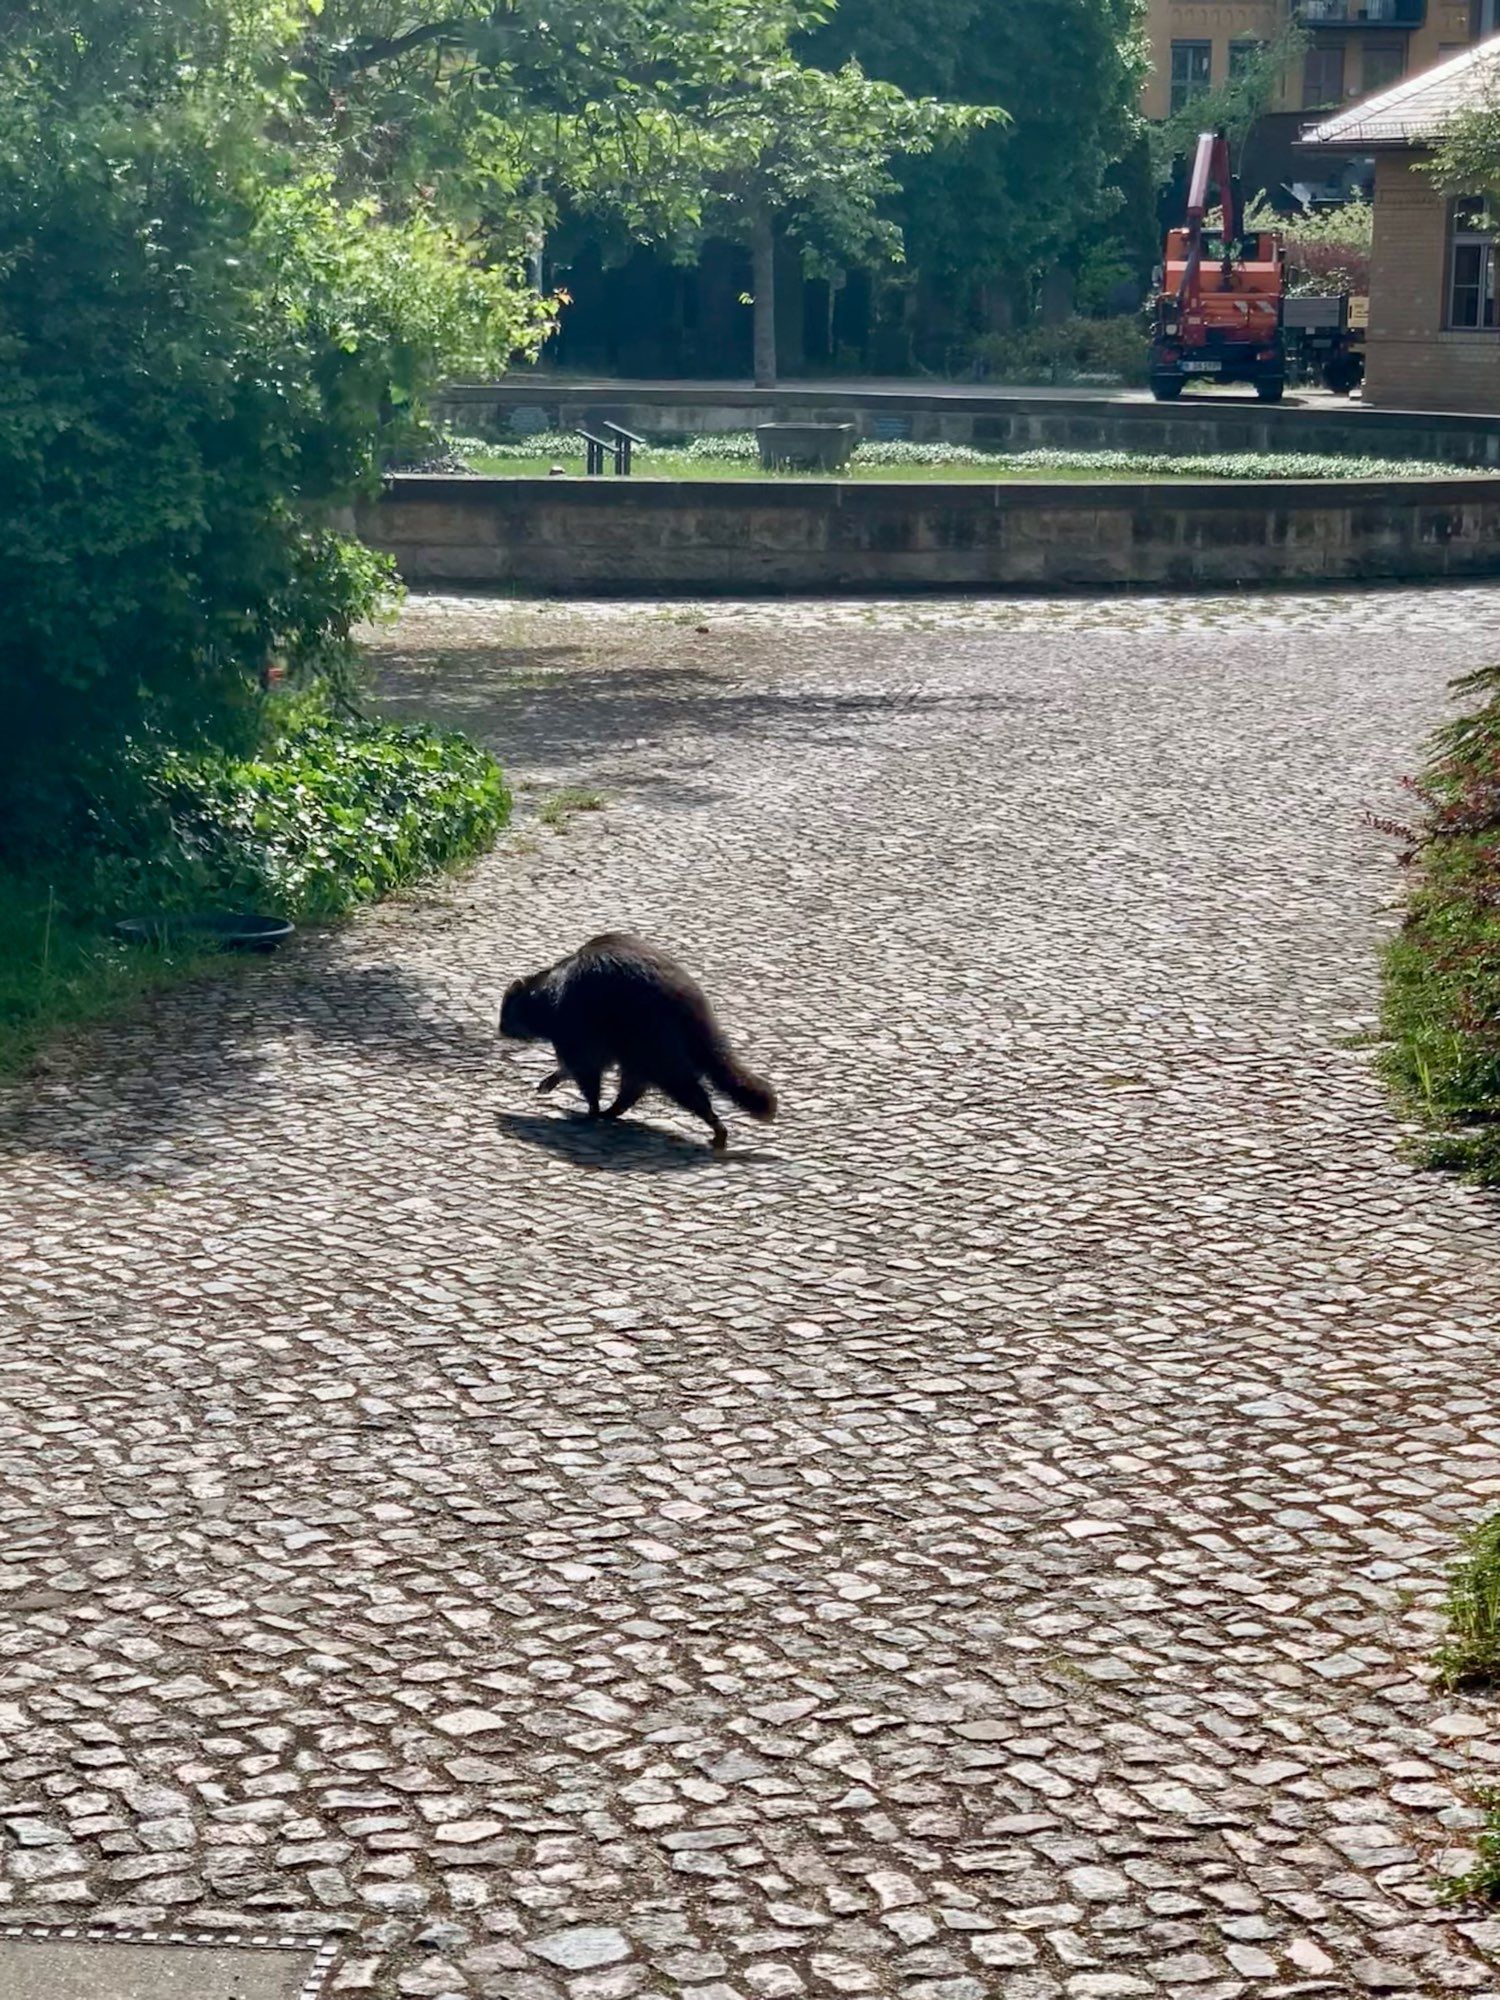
pixel 734 456
pixel 676 465
pixel 60 964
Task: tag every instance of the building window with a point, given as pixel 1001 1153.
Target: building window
pixel 1192 71
pixel 1471 294
pixel 1322 78
pixel 1384 64
pixel 1242 56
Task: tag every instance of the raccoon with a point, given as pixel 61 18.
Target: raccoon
pixel 619 1002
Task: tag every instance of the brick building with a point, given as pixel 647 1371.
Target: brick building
pixel 1434 334
pixel 1355 48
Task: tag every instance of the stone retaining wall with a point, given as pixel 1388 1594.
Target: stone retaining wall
pixel 1100 423
pixel 640 535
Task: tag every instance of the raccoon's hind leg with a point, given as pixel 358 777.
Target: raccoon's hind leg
pixel 551 1082
pixel 690 1094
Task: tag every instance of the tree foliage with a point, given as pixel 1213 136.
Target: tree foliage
pixel 1468 160
pixel 1233 107
pixel 805 153
pixel 812 148
pixel 1327 249
pixel 1014 198
pixel 206 332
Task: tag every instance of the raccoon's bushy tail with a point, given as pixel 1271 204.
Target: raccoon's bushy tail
pixel 750 1092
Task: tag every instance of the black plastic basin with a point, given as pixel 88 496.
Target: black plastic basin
pixel 217 931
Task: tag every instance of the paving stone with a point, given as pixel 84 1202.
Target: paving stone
pixel 772 1980
pixel 588 1945
pixel 1253 1963
pixel 1003 1948
pixel 988 1527
pixel 1098 1885
pixel 1382 1975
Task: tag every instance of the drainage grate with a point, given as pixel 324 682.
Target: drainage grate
pixel 39 1963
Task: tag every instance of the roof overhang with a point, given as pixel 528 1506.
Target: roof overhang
pixel 1308 142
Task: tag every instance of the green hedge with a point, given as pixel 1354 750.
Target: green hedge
pixel 1471 1651
pixel 1068 352
pixel 1442 971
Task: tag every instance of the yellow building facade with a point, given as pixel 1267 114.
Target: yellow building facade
pixel 1355 47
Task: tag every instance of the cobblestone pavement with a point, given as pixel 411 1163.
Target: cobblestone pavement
pixel 979 1538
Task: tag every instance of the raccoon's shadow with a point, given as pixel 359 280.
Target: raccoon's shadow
pixel 629 1147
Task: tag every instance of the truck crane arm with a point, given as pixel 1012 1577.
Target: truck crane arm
pixel 1210 170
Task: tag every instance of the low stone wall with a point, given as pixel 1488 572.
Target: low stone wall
pixel 645 536
pixel 1109 423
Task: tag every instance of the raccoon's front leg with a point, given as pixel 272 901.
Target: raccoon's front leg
pixel 581 1061
pixel 551 1082
pixel 632 1090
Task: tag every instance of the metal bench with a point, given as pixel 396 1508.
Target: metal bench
pixel 625 443
pixel 594 450
pixel 619 447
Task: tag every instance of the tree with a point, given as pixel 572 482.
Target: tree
pixel 203 341
pixel 805 154
pixel 1011 202
pixel 708 125
pixel 1234 107
pixel 1467 161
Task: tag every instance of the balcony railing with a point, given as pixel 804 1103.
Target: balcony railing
pixel 1360 13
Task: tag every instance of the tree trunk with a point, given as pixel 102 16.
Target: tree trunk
pixel 763 286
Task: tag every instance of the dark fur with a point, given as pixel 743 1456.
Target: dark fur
pixel 618 1002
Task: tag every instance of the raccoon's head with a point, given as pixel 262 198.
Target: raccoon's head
pixel 525 1012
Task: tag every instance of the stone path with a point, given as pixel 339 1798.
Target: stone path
pixel 979 1538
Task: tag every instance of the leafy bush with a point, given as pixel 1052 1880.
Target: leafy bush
pixel 335 813
pixel 1472 1649
pixel 1068 352
pixel 726 446
pixel 1327 249
pixel 1239 465
pixel 330 813
pixel 206 339
pixel 1481 1883
pixel 1442 971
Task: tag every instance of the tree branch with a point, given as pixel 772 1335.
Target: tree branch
pixel 354 61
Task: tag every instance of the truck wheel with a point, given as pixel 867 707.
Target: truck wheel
pixel 1166 388
pixel 1270 392
pixel 1342 374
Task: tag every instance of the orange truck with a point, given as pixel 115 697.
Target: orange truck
pixel 1220 295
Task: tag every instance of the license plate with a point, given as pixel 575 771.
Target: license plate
pixel 1200 367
